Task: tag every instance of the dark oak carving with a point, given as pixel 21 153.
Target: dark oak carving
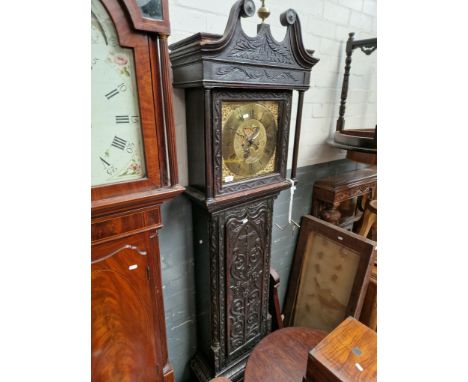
pixel 239 248
pixel 232 221
pixel 237 73
pixel 263 48
pixel 247 273
pixel 205 59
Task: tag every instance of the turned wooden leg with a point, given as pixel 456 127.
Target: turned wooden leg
pixel 369 218
pixel 331 215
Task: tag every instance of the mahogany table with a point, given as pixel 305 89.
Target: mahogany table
pixel 282 355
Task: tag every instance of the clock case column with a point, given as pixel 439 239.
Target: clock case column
pixel 233 221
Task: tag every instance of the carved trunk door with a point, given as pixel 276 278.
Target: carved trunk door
pixel 247 233
pixel 123 324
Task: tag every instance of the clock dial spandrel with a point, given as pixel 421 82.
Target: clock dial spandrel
pixel 249 139
pixel 117 153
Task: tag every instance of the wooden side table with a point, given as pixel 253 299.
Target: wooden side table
pixel 282 355
pixel 335 198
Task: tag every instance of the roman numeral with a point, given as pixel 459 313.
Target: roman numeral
pixel 122 119
pixel 112 93
pixel 104 161
pixel 119 143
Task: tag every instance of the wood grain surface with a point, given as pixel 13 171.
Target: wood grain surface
pixel 348 354
pixel 122 321
pixel 282 355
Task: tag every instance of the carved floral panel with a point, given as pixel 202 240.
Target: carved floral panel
pixel 247 240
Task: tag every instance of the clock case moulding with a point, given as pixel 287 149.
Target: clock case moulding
pixel 210 67
pixel 235 219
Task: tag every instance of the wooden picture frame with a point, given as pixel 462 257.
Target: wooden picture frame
pixel 329 275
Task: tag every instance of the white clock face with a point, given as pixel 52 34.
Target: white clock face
pixel 116 140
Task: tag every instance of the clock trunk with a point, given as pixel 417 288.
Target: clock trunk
pixel 232 267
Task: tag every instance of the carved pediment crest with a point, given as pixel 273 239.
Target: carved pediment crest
pixel 262 48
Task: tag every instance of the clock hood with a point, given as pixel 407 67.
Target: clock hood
pixel 235 59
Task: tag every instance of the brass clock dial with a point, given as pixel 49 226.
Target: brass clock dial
pixel 249 138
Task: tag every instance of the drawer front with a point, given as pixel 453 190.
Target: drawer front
pixel 125 224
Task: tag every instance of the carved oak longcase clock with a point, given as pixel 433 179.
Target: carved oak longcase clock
pixel 238 107
pixel 134 170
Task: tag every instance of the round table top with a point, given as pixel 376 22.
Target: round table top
pixel 282 355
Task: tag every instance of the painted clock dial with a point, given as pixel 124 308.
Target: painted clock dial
pixel 117 152
pixel 249 139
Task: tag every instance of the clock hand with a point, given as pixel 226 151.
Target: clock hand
pixel 254 134
pixel 246 152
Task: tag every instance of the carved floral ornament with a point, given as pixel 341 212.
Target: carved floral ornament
pixel 262 48
pixel 233 72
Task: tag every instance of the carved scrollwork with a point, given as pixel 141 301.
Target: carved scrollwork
pixel 235 72
pixel 248 242
pixel 263 48
pixel 245 272
pixel 356 191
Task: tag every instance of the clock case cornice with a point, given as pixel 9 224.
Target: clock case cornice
pixel 235 59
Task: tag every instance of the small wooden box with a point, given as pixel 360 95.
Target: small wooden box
pixel 347 354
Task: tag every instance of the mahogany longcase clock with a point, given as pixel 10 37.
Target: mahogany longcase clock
pixel 238 107
pixel 134 170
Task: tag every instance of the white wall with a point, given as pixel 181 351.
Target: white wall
pixel 325 28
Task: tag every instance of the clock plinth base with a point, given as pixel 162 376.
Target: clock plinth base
pixel 203 373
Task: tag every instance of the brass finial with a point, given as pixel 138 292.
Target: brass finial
pixel 263 12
